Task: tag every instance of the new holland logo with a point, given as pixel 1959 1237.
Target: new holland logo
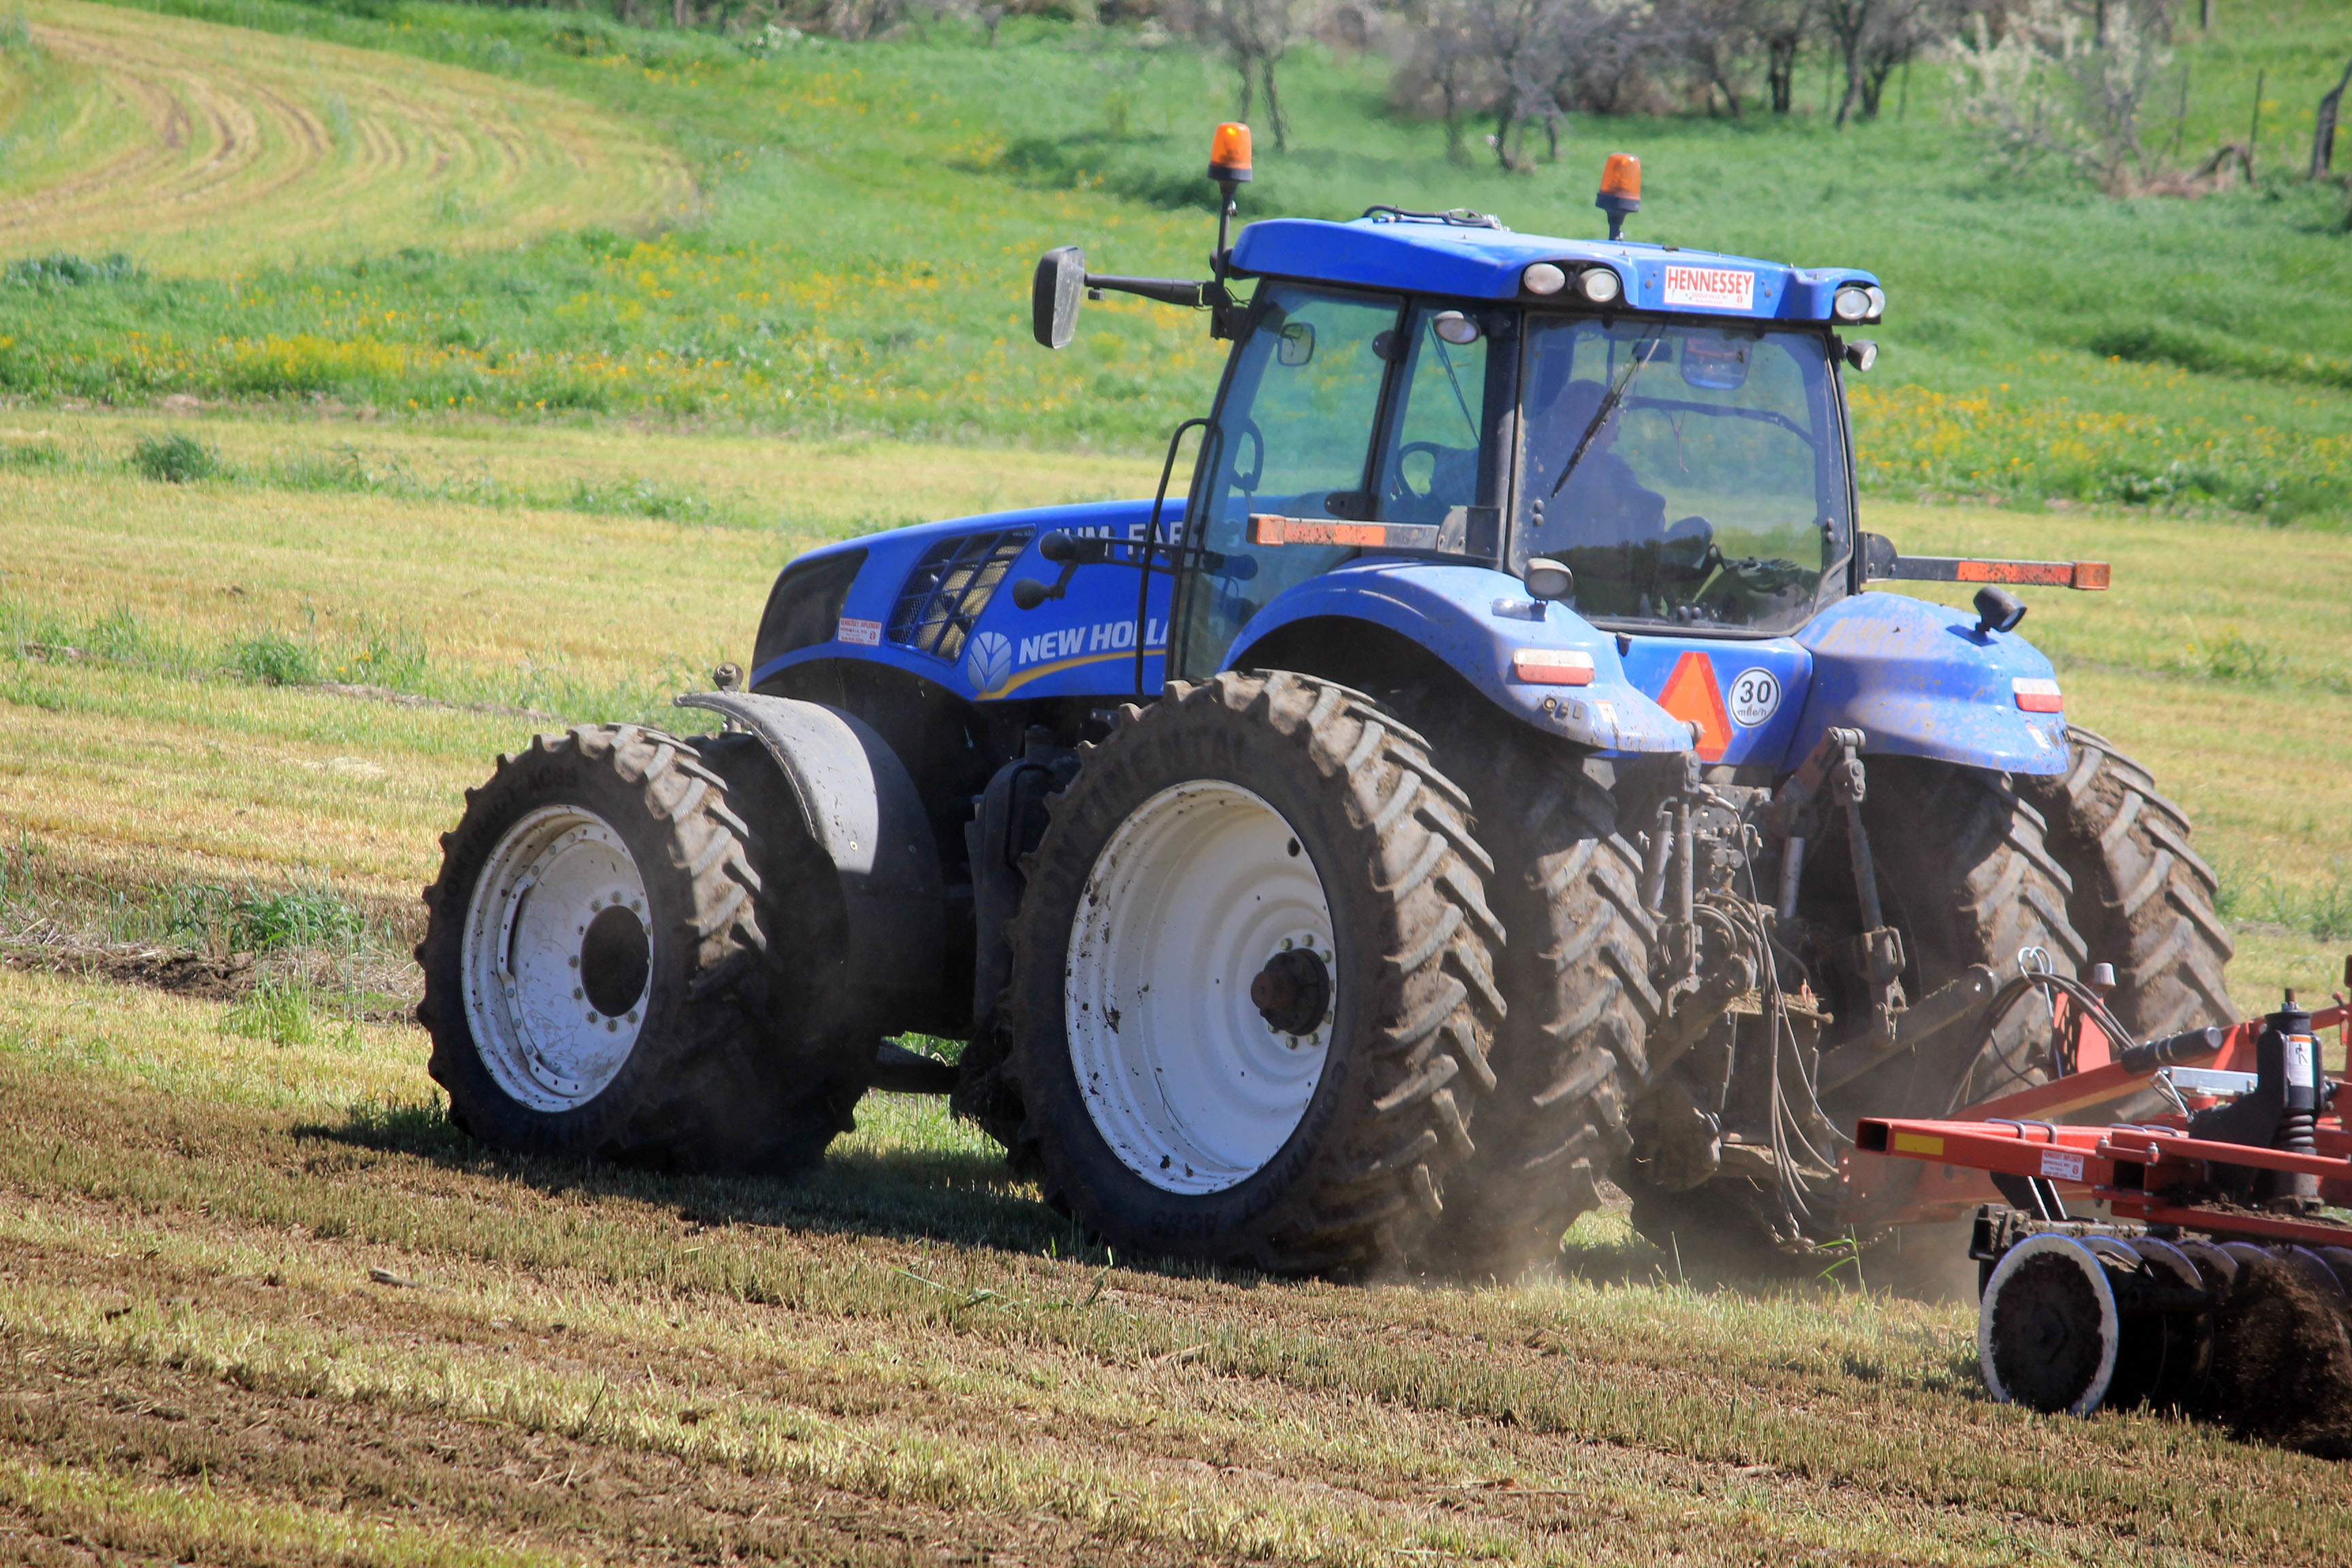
pixel 990 663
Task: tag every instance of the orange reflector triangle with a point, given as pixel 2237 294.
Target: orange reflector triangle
pixel 1691 695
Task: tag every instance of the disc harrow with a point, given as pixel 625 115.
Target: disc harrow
pixel 2193 1260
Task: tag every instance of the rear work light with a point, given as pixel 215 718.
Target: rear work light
pixel 2038 696
pixel 1597 284
pixel 1551 667
pixel 1851 304
pixel 1543 278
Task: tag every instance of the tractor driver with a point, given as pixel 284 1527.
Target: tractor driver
pixel 1602 504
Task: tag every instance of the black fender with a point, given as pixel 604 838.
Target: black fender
pixel 859 804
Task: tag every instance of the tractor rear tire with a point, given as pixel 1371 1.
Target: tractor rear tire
pixel 2142 898
pixel 1253 996
pixel 599 975
pixel 1575 971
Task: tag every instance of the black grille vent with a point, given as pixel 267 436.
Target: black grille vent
pixel 951 586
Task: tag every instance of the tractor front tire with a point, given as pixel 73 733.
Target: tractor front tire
pixel 599 977
pixel 2142 898
pixel 1253 994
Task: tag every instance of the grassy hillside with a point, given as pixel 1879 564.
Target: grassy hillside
pixel 871 211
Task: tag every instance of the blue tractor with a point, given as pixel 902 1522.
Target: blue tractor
pixel 1492 775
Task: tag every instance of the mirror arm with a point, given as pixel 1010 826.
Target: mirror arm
pixel 1167 290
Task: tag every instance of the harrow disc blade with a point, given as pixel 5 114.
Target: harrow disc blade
pixel 2048 1332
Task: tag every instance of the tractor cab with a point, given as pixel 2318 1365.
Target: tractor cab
pixel 1653 439
pixel 1690 475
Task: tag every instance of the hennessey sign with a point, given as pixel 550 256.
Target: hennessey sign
pixel 1713 287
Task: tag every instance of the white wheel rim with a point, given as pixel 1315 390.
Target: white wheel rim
pixel 1190 1085
pixel 535 1012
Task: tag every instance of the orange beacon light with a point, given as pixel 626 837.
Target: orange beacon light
pixel 1620 190
pixel 1229 155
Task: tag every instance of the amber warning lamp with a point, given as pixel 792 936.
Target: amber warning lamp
pixel 1620 190
pixel 1062 279
pixel 1229 155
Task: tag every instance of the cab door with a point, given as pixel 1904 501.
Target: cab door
pixel 1292 437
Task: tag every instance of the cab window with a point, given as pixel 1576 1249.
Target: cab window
pixel 1686 474
pixel 1429 465
pixel 1293 437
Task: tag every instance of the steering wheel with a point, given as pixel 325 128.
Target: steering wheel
pixel 1688 549
pixel 1257 437
pixel 1434 452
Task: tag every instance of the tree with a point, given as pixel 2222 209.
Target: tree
pixel 1781 27
pixel 1255 35
pixel 2323 134
pixel 2049 86
pixel 1709 38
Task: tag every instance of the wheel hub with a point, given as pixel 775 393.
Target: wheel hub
pixel 1293 991
pixel 557 958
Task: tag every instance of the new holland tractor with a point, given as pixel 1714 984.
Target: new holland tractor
pixel 1491 774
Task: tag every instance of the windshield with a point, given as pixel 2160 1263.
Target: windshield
pixel 1689 475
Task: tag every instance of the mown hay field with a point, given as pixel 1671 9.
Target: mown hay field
pixel 262 1304
pixel 204 151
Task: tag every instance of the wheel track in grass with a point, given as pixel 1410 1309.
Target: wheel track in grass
pixel 201 148
pixel 211 1269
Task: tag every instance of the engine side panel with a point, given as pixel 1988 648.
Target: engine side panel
pixel 1919 680
pixel 916 607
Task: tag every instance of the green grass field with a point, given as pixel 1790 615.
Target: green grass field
pixel 260 1304
pixel 2188 356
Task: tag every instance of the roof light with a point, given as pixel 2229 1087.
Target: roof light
pixel 2037 696
pixel 1597 284
pixel 1877 301
pixel 1852 303
pixel 1552 666
pixel 1620 190
pixel 1229 155
pixel 1543 278
pixel 1454 326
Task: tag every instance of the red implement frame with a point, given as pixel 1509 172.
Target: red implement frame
pixel 1905 1171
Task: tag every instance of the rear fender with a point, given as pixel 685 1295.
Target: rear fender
pixel 1475 618
pixel 1919 680
pixel 859 804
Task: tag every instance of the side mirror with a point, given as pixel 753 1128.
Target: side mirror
pixel 1549 580
pixel 1997 610
pixel 1054 296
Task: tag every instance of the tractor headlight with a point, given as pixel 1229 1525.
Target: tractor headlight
pixel 1852 303
pixel 1877 301
pixel 1597 284
pixel 1543 278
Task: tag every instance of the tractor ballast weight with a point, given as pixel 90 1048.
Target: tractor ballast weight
pixel 1490 775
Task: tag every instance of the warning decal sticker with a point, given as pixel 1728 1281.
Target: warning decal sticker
pixel 2065 1166
pixel 1692 696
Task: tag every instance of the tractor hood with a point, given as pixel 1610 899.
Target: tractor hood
pixel 1426 257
